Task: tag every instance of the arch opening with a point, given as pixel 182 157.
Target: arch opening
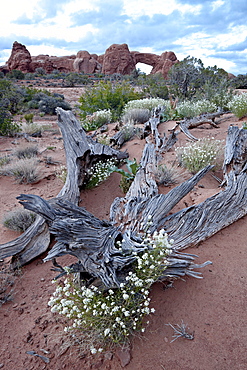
pixel 144 68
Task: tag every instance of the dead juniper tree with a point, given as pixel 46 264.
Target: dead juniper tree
pixel 95 243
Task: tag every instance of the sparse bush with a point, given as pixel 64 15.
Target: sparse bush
pixel 104 139
pixel 74 78
pixel 32 129
pixel 7 279
pixel 129 130
pixel 19 219
pixel 16 74
pixel 29 76
pixel 196 156
pixel 136 115
pixel 4 160
pixel 24 171
pixel 96 120
pixel 166 175
pixel 40 71
pixel 29 117
pixel 154 85
pixel 11 98
pixel 239 82
pixel 238 105
pixel 45 102
pixel 26 152
pixel 49 104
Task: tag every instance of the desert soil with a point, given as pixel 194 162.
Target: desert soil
pixel 214 308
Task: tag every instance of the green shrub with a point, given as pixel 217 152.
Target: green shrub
pixel 40 71
pixel 238 105
pixel 24 170
pixel 49 104
pixel 44 101
pixel 109 96
pixel 96 120
pixel 29 117
pixel 154 85
pixel 196 156
pixel 127 176
pixel 19 219
pixel 74 78
pixel 7 126
pixel 16 74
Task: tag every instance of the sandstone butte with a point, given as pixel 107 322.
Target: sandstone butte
pixel 117 59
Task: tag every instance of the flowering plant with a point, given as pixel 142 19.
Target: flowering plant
pixel 196 156
pixel 238 105
pixel 100 172
pixel 97 119
pixel 108 317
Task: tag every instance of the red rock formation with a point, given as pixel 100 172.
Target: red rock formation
pixel 87 63
pixel 50 63
pixel 20 58
pixel 117 59
pixel 160 63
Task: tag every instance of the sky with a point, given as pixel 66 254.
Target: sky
pixel 214 31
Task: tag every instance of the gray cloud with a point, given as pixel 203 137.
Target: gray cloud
pixel 158 32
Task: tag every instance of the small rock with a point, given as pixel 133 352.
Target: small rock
pixel 108 355
pixel 20 311
pixel 124 356
pixel 1 365
pixel 166 339
pixel 22 303
pixel 15 305
pixel 42 279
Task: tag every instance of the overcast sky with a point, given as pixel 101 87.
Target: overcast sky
pixel 214 31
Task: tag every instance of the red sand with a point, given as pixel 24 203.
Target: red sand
pixel 214 308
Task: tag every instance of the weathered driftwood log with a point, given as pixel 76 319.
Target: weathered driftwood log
pixel 96 243
pixel 81 154
pixel 190 123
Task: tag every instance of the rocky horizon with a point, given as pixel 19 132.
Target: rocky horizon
pixel 116 59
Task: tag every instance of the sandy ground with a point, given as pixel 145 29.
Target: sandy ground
pixel 214 308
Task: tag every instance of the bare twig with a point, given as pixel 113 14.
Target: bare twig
pixel 180 331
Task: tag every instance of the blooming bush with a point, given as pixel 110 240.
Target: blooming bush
pixel 100 172
pixel 109 317
pixel 96 120
pixel 146 104
pixel 192 109
pixel 196 156
pixel 238 105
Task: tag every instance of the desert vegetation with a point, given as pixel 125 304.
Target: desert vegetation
pixel 108 314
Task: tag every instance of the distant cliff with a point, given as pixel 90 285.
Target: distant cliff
pixel 117 59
